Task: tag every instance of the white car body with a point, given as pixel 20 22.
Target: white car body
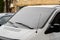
pixel 37 17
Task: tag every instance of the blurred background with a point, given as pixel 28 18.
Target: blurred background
pixel 12 6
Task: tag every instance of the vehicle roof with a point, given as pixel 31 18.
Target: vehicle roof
pixel 44 6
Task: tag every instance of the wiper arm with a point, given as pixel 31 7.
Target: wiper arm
pixel 12 24
pixel 24 25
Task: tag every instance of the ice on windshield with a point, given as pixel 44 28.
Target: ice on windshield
pixel 31 16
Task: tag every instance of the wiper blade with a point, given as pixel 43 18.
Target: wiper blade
pixel 24 25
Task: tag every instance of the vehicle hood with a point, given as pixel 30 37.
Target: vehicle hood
pixel 15 33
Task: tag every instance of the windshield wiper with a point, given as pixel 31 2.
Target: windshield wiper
pixel 12 24
pixel 24 25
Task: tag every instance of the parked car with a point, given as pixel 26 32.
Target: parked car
pixel 2 14
pixel 4 17
pixel 33 23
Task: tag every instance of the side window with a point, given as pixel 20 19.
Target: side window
pixel 56 20
pixel 54 25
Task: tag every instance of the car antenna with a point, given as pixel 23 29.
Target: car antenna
pixel 38 24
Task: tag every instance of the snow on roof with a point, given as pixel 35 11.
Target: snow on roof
pixel 44 6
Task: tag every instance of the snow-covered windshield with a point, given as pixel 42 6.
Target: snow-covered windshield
pixel 31 17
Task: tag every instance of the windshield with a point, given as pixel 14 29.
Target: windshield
pixel 30 17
